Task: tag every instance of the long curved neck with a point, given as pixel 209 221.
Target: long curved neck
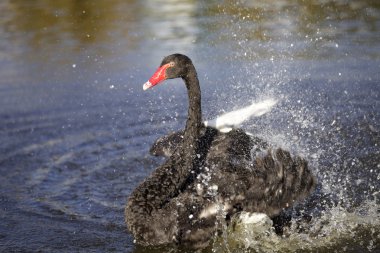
pixel 168 180
pixel 194 118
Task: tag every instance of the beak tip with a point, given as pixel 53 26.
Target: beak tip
pixel 147 85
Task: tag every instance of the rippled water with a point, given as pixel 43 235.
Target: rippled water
pixel 76 127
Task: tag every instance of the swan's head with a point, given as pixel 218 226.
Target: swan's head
pixel 172 66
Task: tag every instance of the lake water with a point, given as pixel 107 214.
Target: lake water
pixel 76 126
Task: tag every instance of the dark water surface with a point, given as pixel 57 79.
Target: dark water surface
pixel 76 127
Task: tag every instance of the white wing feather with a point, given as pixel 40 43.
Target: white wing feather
pixel 229 120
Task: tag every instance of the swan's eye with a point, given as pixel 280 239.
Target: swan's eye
pixel 171 64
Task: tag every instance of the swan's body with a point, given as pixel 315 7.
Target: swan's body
pixel 210 174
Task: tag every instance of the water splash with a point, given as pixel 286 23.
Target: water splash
pixel 337 228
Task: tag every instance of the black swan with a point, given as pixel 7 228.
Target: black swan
pixel 210 176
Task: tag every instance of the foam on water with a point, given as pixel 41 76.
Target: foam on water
pixel 336 228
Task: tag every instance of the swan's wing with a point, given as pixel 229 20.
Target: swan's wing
pixel 165 145
pixel 255 178
pixel 233 119
pixel 234 150
pixel 280 181
pixel 250 176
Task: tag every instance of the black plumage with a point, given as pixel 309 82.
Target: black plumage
pixel 210 174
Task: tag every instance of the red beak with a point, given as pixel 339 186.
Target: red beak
pixel 158 76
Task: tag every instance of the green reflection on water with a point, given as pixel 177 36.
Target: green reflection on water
pixel 42 24
pixel 61 32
